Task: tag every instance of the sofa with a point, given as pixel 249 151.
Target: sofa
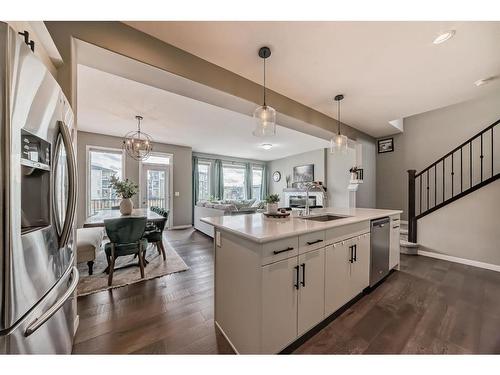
pixel 224 208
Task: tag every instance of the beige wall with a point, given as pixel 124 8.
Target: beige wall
pixel 466 228
pixel 182 178
pixel 426 138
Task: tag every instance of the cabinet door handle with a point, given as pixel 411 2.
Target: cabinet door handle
pixel 296 285
pixel 352 254
pixel 355 252
pixel 313 242
pixel 275 252
pixel 303 282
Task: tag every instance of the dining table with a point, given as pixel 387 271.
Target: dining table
pixel 97 220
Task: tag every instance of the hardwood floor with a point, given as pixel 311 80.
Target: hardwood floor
pixel 430 306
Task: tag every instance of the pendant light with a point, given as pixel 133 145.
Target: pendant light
pixel 264 115
pixel 338 144
pixel 137 143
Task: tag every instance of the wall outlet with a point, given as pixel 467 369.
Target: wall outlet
pixel 177 194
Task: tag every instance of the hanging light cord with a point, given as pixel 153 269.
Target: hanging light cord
pixel 338 116
pixel 264 82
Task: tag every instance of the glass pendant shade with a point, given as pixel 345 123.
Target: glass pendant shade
pixel 265 116
pixel 338 144
pixel 138 144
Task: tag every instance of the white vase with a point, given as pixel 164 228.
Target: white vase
pixel 126 206
pixel 272 208
pixel 354 176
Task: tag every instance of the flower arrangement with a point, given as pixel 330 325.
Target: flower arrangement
pixel 353 169
pixel 124 189
pixel 288 178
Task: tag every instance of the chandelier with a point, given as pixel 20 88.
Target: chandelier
pixel 264 115
pixel 338 144
pixel 137 143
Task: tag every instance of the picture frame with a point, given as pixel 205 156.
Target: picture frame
pixel 385 145
pixel 303 173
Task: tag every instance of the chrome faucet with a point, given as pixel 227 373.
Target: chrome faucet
pixel 308 188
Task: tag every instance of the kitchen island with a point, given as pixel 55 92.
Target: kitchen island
pixel 277 279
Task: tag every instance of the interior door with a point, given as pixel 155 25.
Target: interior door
pixel 311 305
pixel 155 186
pixel 337 276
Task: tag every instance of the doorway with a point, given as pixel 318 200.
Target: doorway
pixel 156 183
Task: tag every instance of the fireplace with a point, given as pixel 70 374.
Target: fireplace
pixel 298 197
pixel 300 200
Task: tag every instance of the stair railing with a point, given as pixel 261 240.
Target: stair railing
pixel 445 181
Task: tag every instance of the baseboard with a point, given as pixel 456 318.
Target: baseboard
pixel 449 258
pixel 181 227
pixel 225 336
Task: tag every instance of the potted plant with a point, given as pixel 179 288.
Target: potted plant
pixel 272 203
pixel 125 190
pixel 354 173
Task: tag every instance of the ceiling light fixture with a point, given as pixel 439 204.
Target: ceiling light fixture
pixel 264 114
pixel 338 144
pixel 444 37
pixel 266 146
pixel 137 143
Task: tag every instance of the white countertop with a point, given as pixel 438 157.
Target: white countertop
pixel 258 228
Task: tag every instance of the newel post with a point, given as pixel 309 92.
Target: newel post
pixel 412 222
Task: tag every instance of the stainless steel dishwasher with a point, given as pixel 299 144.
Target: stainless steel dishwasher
pixel 379 246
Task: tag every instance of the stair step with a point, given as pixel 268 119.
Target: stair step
pixel 407 243
pixel 409 248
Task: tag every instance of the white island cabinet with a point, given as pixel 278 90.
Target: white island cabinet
pixel 275 280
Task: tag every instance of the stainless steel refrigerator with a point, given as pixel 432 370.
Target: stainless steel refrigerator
pixel 37 205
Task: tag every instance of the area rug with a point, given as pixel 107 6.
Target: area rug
pixel 131 273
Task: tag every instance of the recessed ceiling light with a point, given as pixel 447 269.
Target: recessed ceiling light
pixel 266 146
pixel 484 81
pixel 444 37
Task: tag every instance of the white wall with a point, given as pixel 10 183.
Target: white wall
pixel 285 167
pixel 337 169
pixel 467 228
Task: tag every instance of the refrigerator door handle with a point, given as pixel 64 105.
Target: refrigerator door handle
pixel 38 322
pixel 70 212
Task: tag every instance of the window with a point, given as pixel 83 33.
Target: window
pixel 256 182
pixel 203 180
pixel 234 181
pixel 102 165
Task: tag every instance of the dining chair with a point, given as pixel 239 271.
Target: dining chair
pixel 126 238
pixel 156 236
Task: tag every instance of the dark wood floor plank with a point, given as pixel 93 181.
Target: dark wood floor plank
pixel 429 307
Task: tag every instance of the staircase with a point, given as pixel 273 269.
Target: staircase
pixel 405 246
pixel 467 168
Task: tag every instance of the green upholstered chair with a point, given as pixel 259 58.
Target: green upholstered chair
pixel 126 238
pixel 156 236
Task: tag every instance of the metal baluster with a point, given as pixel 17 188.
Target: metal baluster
pixel 470 165
pixel 452 175
pixel 461 171
pixel 481 157
pixel 443 180
pixel 492 171
pixel 420 200
pixel 435 184
pixel 427 189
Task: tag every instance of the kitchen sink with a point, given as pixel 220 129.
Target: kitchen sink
pixel 325 217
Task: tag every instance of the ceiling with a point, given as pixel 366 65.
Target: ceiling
pixel 108 103
pixel 387 70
